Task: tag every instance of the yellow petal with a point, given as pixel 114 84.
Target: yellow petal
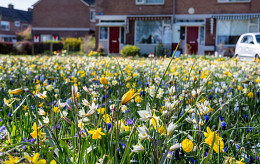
pixel 34 134
pixel 91 131
pixel 42 161
pixel 53 162
pixel 27 157
pixel 35 158
pixel 34 126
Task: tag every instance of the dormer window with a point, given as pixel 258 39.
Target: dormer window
pixel 149 2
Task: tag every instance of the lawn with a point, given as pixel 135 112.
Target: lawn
pixel 81 109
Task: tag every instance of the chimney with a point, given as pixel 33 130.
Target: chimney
pixel 30 9
pixel 11 6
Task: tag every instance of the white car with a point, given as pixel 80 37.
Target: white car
pixel 248 45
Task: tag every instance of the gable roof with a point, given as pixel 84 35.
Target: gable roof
pixel 16 15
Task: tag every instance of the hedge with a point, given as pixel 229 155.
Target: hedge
pixel 26 47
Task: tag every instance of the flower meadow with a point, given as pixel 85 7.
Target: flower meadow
pixel 81 109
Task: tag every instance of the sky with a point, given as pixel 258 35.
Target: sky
pixel 18 4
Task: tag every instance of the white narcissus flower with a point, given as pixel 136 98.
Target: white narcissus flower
pixel 145 114
pixel 85 102
pixel 42 95
pixel 64 113
pixel 41 112
pixel 123 108
pixel 171 90
pixel 175 147
pixel 46 120
pixel 171 127
pixel 81 124
pixel 138 148
pixel 82 113
pixel 193 93
pixel 49 87
pixel 143 132
pixel 112 106
pixel 92 108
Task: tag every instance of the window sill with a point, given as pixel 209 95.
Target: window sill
pixel 235 2
pixel 149 4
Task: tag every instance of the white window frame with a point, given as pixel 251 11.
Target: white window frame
pixel 7 29
pixel 93 19
pixel 107 39
pixel 154 44
pixel 230 1
pixel 143 2
pixel 233 45
pixel 17 23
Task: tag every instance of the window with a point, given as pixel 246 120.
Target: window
pixel 253 25
pixel 149 1
pixel 122 35
pixel 167 34
pixel 5 26
pixel 92 15
pixel 45 38
pixel 245 39
pixel 257 38
pixel 229 31
pixel 17 23
pixel 103 33
pixel 231 1
pixel 148 32
pixel 202 37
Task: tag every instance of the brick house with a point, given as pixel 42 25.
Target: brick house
pixel 145 23
pixel 13 22
pixel 207 26
pixel 58 19
pixel 203 26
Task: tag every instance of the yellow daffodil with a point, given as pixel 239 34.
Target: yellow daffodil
pixel 187 145
pixel 250 95
pixel 218 142
pixel 53 162
pixel 128 96
pixel 101 110
pixel 11 160
pixel 103 81
pixel 35 131
pixel 56 109
pixel 17 91
pixel 96 134
pixel 107 118
pixel 35 159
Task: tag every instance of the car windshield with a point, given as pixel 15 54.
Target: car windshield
pixel 257 38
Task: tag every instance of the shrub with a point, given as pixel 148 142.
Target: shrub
pixel 6 48
pixel 130 51
pixel 73 44
pixel 88 44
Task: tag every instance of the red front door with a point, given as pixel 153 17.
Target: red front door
pixel 114 39
pixel 192 39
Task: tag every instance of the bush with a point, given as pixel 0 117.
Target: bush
pixel 73 44
pixel 130 51
pixel 6 48
pixel 27 47
pixel 88 44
